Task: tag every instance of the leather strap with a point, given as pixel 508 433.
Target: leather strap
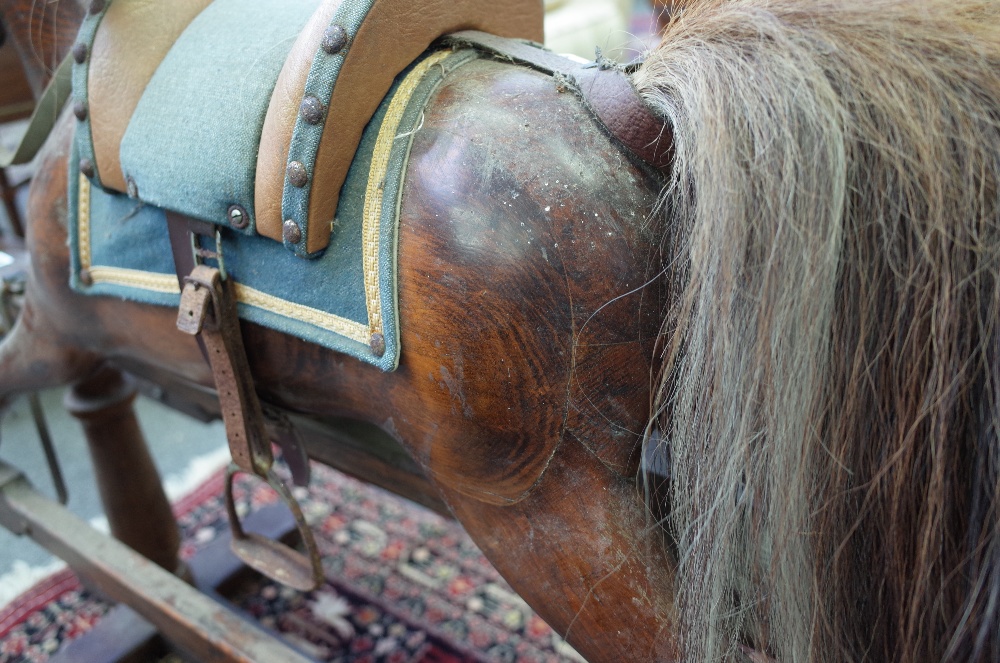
pixel 605 89
pixel 208 310
pixel 279 427
pixel 616 103
pixel 180 246
pixel 43 118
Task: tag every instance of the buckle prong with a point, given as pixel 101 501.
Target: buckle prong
pixel 201 254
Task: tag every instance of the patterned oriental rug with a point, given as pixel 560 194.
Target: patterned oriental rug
pixel 403 585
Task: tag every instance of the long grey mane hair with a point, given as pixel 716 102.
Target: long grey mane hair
pixel 831 356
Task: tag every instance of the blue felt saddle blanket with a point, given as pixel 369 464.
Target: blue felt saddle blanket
pixel 344 300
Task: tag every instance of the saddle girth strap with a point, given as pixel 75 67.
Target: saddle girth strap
pixel 603 86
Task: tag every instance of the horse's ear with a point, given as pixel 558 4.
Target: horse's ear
pixel 42 33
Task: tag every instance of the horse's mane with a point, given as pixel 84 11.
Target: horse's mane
pixel 829 396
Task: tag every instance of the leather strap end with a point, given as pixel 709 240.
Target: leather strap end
pixel 606 90
pixel 194 308
pixel 617 104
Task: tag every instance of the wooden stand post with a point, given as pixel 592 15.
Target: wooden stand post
pixel 130 487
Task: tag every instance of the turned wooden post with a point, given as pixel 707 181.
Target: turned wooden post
pixel 130 487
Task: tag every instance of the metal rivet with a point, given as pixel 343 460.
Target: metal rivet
pixel 87 167
pixel 377 344
pixel 291 233
pixel 131 188
pixel 97 6
pixel 334 39
pixel 80 110
pixel 312 110
pixel 86 278
pixel 297 174
pixel 80 52
pixel 238 217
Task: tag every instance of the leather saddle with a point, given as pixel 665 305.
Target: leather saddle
pixel 229 111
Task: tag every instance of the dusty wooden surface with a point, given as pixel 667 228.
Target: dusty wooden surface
pixel 136 505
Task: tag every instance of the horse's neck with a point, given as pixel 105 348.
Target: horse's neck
pixel 42 33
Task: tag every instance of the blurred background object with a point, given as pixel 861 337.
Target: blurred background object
pixel 622 29
pixel 576 26
pixel 16 104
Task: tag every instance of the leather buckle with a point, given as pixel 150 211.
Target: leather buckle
pixel 199 254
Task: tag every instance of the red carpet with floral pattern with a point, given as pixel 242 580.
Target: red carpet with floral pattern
pixel 403 584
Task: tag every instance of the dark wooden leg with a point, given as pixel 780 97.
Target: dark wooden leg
pixel 133 497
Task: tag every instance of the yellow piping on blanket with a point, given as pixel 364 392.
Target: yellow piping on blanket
pixel 376 182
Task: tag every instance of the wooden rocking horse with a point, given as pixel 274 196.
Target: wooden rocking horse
pixel 702 352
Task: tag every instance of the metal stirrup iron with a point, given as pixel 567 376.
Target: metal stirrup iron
pixel 208 311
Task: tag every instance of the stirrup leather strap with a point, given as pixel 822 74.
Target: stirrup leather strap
pixel 208 312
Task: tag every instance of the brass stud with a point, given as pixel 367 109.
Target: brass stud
pixel 377 344
pixel 87 167
pixel 312 110
pixel 334 39
pixel 291 232
pixel 238 217
pixel 80 110
pixel 297 174
pixel 131 188
pixel 85 277
pixel 80 52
